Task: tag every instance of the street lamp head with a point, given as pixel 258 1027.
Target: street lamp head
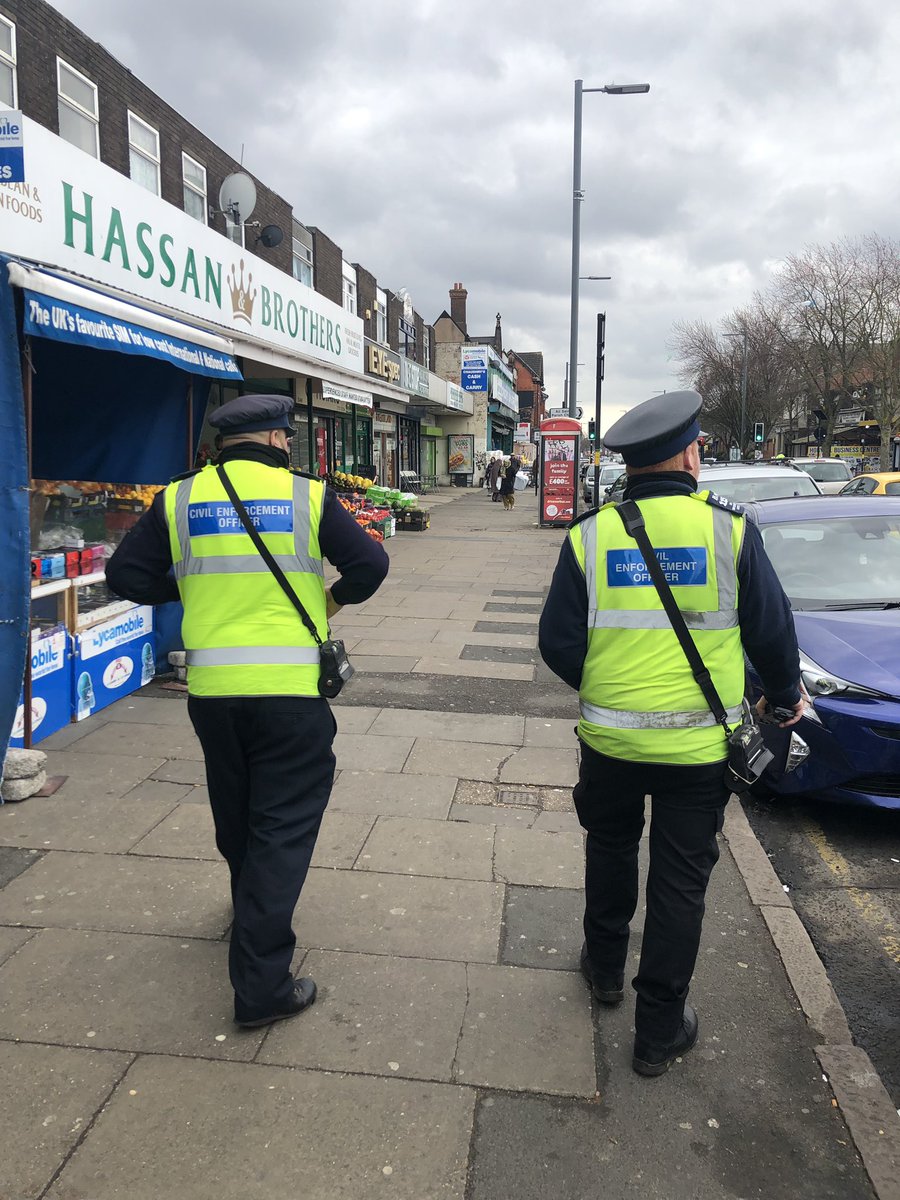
pixel 625 89
pixel 595 276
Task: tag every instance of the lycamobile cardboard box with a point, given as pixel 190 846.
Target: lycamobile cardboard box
pixel 51 687
pixel 113 659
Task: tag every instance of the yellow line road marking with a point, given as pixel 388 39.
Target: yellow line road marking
pixel 870 907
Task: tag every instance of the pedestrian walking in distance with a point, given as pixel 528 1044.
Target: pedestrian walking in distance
pixel 253 669
pixel 508 484
pixel 492 476
pixel 645 727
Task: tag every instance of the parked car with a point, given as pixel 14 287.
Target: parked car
pixel 745 482
pixel 885 483
pixel 609 473
pixel 838 559
pixel 829 473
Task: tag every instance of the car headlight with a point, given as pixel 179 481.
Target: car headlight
pixel 820 682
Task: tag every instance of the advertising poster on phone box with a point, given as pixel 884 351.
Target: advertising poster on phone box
pixel 558 467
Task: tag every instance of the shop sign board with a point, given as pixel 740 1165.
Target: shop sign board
pixel 474 368
pixel 523 431
pixel 456 398
pixel 12 147
pixel 78 214
pixel 559 444
pixel 504 392
pixel 384 423
pixel 51 687
pixel 64 321
pixel 346 395
pixel 113 659
pixel 413 378
pixel 461 454
pixel 382 362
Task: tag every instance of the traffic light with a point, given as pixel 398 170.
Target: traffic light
pixel 758 432
pixel 592 430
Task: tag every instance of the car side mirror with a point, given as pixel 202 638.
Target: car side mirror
pixel 606 491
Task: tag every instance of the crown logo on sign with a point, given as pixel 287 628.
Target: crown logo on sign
pixel 241 296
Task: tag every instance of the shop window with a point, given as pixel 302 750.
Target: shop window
pixel 302 261
pixel 79 116
pixel 8 82
pixel 193 175
pixel 143 154
pixel 381 317
pixel 349 275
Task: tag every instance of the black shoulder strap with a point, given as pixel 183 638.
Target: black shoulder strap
pixel 266 555
pixel 633 521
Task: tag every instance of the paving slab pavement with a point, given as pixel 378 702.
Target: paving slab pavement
pixel 453 1051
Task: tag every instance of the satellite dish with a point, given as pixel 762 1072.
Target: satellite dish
pixel 271 236
pixel 237 196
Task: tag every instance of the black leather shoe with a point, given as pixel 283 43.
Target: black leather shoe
pixel 606 991
pixel 648 1061
pixel 304 995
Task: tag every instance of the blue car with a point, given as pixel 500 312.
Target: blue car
pixel 838 559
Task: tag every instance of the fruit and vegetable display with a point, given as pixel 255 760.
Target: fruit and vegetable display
pixel 382 512
pixel 342 482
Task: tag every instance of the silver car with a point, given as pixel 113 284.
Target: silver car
pixel 829 473
pixel 609 473
pixel 743 482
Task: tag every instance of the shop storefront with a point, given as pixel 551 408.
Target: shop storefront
pixel 384 434
pixel 109 354
pixel 503 406
pixel 431 437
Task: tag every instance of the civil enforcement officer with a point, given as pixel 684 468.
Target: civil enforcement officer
pixel 645 727
pixel 252 670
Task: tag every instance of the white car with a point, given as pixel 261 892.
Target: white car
pixel 609 473
pixel 829 473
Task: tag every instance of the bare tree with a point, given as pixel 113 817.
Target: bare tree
pixel 882 339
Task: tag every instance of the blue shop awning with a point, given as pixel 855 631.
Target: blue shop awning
pixel 64 311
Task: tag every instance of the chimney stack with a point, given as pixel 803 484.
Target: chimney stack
pixel 458 296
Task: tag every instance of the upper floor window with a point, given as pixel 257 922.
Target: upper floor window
pixel 193 175
pixel 407 339
pixel 349 275
pixel 79 117
pixel 381 317
pixel 8 90
pixel 143 153
pixel 426 348
pixel 302 261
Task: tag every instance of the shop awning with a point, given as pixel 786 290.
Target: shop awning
pixel 65 311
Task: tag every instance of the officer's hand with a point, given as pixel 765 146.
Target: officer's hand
pixel 799 708
pixel 332 608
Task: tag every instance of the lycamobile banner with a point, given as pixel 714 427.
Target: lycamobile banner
pixel 76 213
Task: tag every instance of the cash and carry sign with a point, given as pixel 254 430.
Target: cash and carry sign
pixel 77 213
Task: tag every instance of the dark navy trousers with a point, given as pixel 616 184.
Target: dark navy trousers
pixel 270 770
pixel 687 809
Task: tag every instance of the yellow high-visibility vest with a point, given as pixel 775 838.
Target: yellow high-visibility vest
pixel 638 698
pixel 242 635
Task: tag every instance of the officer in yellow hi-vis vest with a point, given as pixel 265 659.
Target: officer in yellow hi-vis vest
pixel 645 727
pixel 253 669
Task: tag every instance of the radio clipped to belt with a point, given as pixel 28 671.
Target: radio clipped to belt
pixel 335 668
pixel 748 755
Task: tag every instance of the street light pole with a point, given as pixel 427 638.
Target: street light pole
pixel 601 346
pixel 611 89
pixel 744 393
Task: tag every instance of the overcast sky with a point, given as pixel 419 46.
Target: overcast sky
pixel 433 142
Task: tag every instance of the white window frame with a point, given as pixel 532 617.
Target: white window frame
pixel 349 288
pixel 381 333
pixel 134 148
pixel 62 98
pixel 189 186
pixel 426 348
pixel 10 60
pixel 300 252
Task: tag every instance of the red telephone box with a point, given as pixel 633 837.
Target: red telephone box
pixel 559 451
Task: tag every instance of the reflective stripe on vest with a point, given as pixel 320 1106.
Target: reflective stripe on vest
pixel 725 618
pixel 619 718
pixel 223 564
pixel 265 656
